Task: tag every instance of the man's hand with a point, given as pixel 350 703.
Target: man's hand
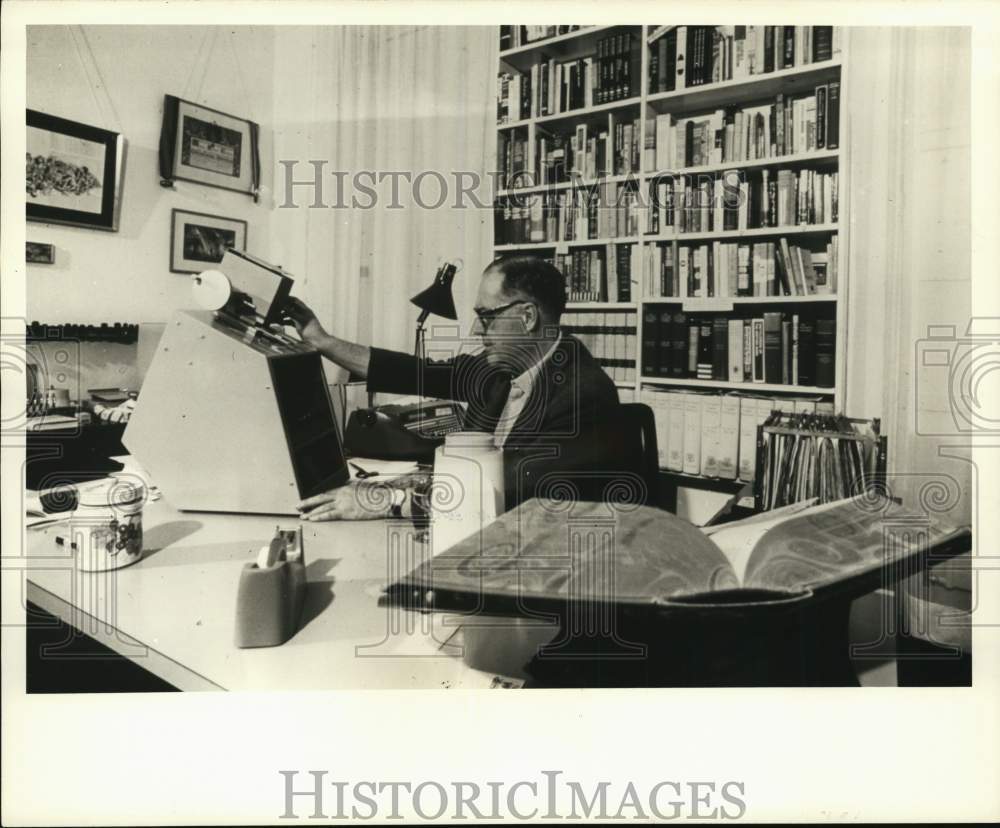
pixel 358 500
pixel 300 314
pixel 349 355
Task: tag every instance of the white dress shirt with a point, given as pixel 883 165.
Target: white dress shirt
pixel 517 399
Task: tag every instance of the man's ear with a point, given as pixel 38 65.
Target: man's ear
pixel 532 318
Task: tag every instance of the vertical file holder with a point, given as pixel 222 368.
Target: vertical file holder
pixel 820 426
pixel 269 600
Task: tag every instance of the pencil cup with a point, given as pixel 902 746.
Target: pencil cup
pixel 269 603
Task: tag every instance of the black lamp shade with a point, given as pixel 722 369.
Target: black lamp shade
pixel 437 298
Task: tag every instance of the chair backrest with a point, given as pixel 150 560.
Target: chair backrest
pixel 613 459
pixel 637 425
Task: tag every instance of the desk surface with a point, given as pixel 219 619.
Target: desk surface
pixel 173 612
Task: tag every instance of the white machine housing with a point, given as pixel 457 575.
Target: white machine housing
pixel 233 417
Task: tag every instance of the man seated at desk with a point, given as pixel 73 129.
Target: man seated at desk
pixel 538 390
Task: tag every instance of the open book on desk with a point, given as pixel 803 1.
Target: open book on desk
pixel 546 554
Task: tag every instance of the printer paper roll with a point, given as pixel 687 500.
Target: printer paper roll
pixel 211 289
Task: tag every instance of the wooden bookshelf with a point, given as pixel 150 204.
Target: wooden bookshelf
pixel 644 106
pixel 762 387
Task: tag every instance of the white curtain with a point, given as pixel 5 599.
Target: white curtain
pixel 409 100
pixel 909 159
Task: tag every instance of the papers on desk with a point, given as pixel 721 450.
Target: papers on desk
pixel 50 422
pixel 383 468
pixel 34 511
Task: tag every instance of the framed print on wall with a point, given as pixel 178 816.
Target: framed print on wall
pixel 39 253
pixel 73 174
pixel 206 146
pixel 199 240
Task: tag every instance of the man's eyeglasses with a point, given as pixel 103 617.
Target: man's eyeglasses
pixel 487 315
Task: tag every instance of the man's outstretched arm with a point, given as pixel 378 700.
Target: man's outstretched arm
pixel 349 355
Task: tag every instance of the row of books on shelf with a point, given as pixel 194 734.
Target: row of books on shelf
pixel 776 348
pixel 750 133
pixel 732 201
pixel 806 456
pixel 688 56
pixel 556 157
pixel 715 435
pixel 742 200
pixel 563 217
pixel 551 87
pixel 731 269
pixel 610 336
pixel 511 37
pixel 601 274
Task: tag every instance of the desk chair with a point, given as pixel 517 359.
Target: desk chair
pixel 613 459
pixel 635 426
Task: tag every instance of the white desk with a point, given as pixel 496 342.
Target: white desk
pixel 173 612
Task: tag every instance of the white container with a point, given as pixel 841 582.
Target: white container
pixel 106 527
pixel 468 491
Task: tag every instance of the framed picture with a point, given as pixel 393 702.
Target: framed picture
pixel 74 172
pixel 39 253
pixel 199 240
pixel 209 147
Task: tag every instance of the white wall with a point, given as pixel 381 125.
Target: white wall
pixel 125 276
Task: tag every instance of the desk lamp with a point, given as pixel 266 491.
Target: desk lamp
pixel 436 299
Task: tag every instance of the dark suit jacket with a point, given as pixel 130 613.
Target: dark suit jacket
pixel 558 431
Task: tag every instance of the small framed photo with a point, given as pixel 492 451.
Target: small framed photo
pixel 208 147
pixel 39 253
pixel 74 172
pixel 199 240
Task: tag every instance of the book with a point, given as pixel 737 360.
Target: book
pixel 757 327
pixel 720 348
pixel 833 115
pixel 679 326
pixel 803 552
pixel 711 414
pixel 694 340
pixel 747 438
pixel 665 359
pixel 729 436
pixel 772 348
pixel 692 433
pixel 675 431
pixel 807 352
pixel 735 356
pixel 650 341
pixel 706 353
pixel 825 352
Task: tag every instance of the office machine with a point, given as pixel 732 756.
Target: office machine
pixel 234 415
pixel 402 432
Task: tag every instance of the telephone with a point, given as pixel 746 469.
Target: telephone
pixel 402 432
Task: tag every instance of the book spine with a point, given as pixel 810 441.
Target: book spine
pixel 675 450
pixel 720 348
pixel 825 352
pixel 680 352
pixel 711 413
pixel 651 341
pixel 833 115
pixel 694 340
pixel 772 347
pixel 807 352
pixel 692 434
pixel 666 357
pixel 747 438
pixel 729 437
pixel 705 351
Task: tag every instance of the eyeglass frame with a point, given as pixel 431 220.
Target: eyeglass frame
pixel 488 316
